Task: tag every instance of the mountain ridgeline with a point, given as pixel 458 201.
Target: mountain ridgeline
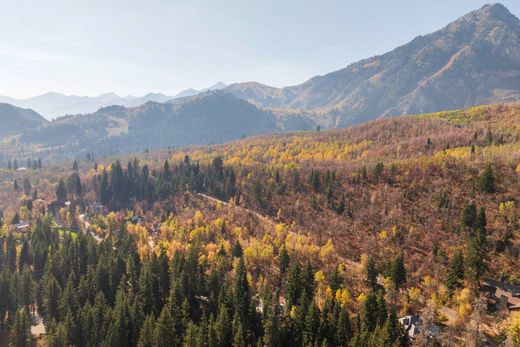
pixel 14 119
pixel 474 60
pixel 212 118
pixel 53 105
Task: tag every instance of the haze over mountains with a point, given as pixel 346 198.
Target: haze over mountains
pixel 52 105
pixel 213 118
pixel 474 60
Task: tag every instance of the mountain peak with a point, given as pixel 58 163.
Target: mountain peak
pixel 497 9
pixel 495 12
pixel 218 85
pixel 473 60
pixel 109 95
pixel 15 119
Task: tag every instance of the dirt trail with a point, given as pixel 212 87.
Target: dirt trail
pixel 254 213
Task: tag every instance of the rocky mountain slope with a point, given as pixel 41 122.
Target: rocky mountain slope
pixel 474 60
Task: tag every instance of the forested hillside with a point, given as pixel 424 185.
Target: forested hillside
pixel 214 117
pixel 311 238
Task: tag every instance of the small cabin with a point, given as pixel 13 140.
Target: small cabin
pixel 505 296
pixel 136 219
pixel 22 226
pixel 413 326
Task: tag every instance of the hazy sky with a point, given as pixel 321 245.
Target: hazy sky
pixel 134 47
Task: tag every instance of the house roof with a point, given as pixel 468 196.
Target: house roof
pixel 412 325
pixel 499 289
pixel 21 225
pixel 136 218
pixel 514 290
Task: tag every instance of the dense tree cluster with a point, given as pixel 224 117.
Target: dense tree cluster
pixel 419 233
pixel 104 294
pixel 118 187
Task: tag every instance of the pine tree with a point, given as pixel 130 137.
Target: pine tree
pixel 371 274
pixel 61 191
pixel 191 335
pixel 382 311
pixel 455 272
pixel 164 329
pixel 60 337
pixel 364 173
pixel 476 257
pixel 104 189
pixel 370 313
pixel 307 279
pixel 222 327
pixel 283 259
pixel 20 332
pixel 271 323
pixel 296 180
pixel 468 215
pixel 293 285
pixel 51 297
pixel 68 300
pixel 74 184
pixel 335 280
pixel 238 332
pixel 146 335
pixel 378 170
pixel 27 186
pixel 489 137
pixel 392 329
pixel 481 221
pixel 487 180
pixel 315 180
pixel 241 291
pixel 341 206
pixel 343 329
pixel 398 271
pixel 312 322
pixel 237 251
pixel 11 253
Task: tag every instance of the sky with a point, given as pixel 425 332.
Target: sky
pixel 89 47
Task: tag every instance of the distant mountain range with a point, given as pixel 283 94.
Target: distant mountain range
pixel 474 60
pixel 53 105
pixel 212 117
